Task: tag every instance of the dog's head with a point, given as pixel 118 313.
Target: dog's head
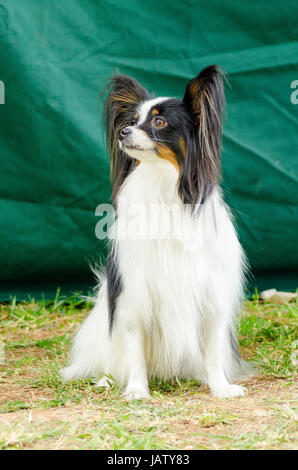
pixel 186 133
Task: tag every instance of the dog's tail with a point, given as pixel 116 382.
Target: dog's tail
pixel 90 345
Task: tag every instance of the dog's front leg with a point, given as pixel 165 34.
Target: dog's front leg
pixel 134 360
pixel 216 349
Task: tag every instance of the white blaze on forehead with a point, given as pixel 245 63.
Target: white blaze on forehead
pixel 145 107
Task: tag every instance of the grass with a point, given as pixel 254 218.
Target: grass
pixel 38 411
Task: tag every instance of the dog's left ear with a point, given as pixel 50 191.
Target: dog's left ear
pixel 204 100
pixel 205 93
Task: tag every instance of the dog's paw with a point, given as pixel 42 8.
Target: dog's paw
pixel 136 394
pixel 68 374
pixel 228 391
pixel 104 382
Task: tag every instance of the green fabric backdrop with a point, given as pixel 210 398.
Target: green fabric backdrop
pixel 54 56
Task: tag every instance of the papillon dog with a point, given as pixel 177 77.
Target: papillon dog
pixel 167 301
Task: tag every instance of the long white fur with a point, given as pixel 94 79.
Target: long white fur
pixel 178 303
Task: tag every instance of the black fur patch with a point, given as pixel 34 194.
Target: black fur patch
pixel 114 286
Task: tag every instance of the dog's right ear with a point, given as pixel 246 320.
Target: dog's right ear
pixel 124 96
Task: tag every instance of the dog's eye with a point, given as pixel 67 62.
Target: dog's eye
pixel 158 122
pixel 133 122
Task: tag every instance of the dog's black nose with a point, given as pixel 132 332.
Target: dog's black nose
pixel 125 131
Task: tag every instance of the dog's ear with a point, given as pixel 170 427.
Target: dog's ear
pixel 204 101
pixel 124 95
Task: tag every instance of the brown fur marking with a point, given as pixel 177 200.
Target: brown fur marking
pixel 167 154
